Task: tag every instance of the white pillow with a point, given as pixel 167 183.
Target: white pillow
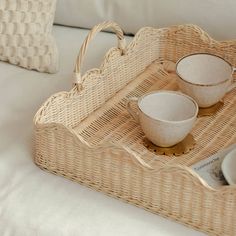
pixel 216 17
pixel 25 34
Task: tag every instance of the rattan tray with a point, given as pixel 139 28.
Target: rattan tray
pixel 87 135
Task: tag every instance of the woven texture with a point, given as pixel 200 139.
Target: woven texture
pixel 87 135
pixel 25 34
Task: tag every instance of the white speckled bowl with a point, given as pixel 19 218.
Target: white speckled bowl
pixel 205 77
pixel 166 117
pixel 228 167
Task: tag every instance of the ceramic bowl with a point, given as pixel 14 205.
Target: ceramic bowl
pixel 166 117
pixel 205 77
pixel 228 167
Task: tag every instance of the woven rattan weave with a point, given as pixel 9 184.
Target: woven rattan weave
pixel 87 135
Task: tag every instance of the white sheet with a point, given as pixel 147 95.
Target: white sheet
pixel 34 202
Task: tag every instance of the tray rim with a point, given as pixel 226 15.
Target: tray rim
pixel 115 52
pixel 185 170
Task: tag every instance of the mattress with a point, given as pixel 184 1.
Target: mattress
pixel 34 202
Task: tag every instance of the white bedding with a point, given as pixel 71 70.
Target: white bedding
pixel 34 202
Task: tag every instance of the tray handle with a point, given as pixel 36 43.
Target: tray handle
pixel 78 80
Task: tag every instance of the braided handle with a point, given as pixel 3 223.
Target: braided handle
pixel 97 28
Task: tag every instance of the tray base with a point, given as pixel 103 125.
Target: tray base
pixel 112 123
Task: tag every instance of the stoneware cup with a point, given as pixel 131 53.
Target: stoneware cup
pixel 166 117
pixel 205 77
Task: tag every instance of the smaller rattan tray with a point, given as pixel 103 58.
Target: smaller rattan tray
pixel 88 136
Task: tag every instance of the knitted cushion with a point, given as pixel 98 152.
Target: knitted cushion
pixel 25 34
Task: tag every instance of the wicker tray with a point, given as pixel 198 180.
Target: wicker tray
pixel 87 135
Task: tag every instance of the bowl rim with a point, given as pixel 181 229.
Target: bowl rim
pixel 194 116
pixel 202 53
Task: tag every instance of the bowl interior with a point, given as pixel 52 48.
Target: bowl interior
pixel 204 69
pixel 168 106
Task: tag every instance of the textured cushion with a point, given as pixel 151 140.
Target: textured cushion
pixel 25 34
pixel 216 17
